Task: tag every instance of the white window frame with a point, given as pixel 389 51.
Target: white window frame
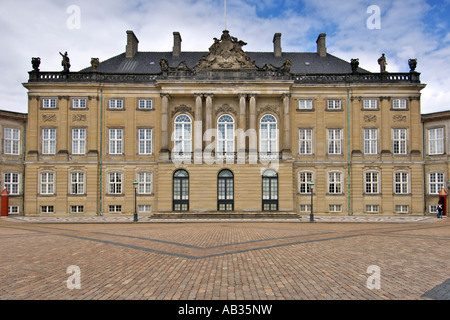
pixel 47 183
pixel 370 141
pixel 11 141
pixel 49 103
pixel 399 141
pixel 116 141
pixel 435 182
pixel 115 182
pixel 77 183
pixel 115 104
pixel 305 208
pixel 268 144
pixel 48 141
pixel 334 104
pixel 372 208
pixel 305 104
pixel 182 142
pixel 401 182
pixel 79 103
pixel 13 210
pixel 115 208
pixel 76 209
pixel 400 208
pixel 144 208
pixel 145 141
pixel 304 179
pixel 47 209
pixel 436 141
pixel 370 104
pixel 371 182
pixel 334 137
pixel 79 141
pixel 145 104
pixel 399 104
pixel 225 134
pixel 335 182
pixel 333 208
pixel 145 182
pixel 305 141
pixel 11 182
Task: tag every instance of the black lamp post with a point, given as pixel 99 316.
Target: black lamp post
pixel 135 216
pixel 311 216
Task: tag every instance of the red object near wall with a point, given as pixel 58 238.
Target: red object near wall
pixel 443 195
pixel 5 203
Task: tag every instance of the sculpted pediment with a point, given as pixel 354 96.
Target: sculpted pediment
pixel 226 53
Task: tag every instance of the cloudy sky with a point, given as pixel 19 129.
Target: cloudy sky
pixel 402 29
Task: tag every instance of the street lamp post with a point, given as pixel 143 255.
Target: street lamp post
pixel 311 216
pixel 135 216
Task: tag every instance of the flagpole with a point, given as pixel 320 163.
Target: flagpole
pixel 225 14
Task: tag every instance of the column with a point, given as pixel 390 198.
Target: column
pixel 198 129
pixel 209 116
pixel 164 126
pixel 287 125
pixel 253 144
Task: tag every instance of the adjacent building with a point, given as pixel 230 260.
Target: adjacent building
pixel 225 130
pixel 12 169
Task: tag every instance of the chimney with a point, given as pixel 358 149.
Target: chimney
pixel 176 44
pixel 132 44
pixel 321 47
pixel 277 45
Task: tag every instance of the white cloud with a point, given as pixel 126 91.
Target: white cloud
pixel 38 28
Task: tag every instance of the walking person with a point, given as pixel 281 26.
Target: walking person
pixel 440 208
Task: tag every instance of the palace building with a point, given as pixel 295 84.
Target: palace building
pixel 224 131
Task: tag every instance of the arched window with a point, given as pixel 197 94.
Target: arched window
pixel 183 134
pixel 225 134
pixel 225 191
pixel 181 191
pixel 270 190
pixel 268 135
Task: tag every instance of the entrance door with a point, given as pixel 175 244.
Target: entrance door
pixel 270 191
pixel 225 191
pixel 181 191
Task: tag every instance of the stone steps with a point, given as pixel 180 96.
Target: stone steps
pixel 222 215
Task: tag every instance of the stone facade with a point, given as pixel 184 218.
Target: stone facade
pixel 224 130
pixel 12 169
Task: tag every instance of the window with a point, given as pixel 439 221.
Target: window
pixel 11 141
pixel 47 183
pixel 399 139
pixel 335 182
pixel 400 208
pixel 399 104
pixel 145 208
pixel 115 104
pixel 305 104
pixel 115 208
pixel 334 141
pixel 47 209
pixel 79 103
pixel 180 191
pixel 78 141
pixel 371 182
pixel 48 141
pixel 268 135
pixel 436 141
pixel 146 104
pixel 304 179
pixel 76 209
pixel 370 141
pixel 334 104
pixel 144 183
pixel 372 208
pixel 49 103
pixel 305 208
pixel 225 134
pixel 145 141
pixel 183 134
pixel 305 140
pixel 225 191
pixel 436 182
pixel 77 181
pixel 270 190
pixel 433 209
pixel 370 104
pixel 401 182
pixel 115 141
pixel 13 209
pixel 335 208
pixel 11 183
pixel 115 183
